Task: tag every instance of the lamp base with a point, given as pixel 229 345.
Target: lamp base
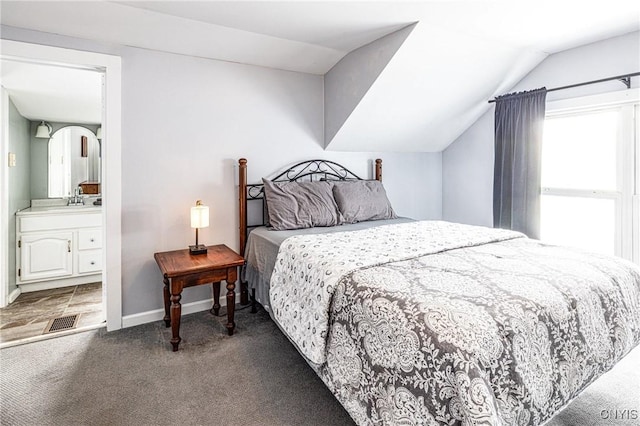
pixel 198 249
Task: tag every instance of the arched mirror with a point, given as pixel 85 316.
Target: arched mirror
pixel 74 160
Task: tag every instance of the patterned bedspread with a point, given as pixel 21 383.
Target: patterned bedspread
pixel 437 323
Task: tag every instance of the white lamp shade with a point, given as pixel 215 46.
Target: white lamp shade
pixel 199 216
pixel 43 131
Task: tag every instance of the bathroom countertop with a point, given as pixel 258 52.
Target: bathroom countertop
pixel 89 208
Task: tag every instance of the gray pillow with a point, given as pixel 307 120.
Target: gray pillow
pixel 361 200
pixel 295 205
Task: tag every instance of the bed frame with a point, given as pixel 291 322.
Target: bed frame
pixel 306 171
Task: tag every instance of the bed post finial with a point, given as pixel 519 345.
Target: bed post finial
pixel 242 211
pixel 242 197
pixel 379 169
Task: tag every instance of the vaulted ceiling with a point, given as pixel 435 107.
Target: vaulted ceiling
pixel 399 76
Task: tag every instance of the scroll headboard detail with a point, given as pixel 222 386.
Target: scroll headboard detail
pixel 312 170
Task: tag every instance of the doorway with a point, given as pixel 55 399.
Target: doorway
pixel 109 66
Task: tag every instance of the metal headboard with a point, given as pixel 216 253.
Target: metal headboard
pixel 306 171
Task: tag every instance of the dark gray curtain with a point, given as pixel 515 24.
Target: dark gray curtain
pixel 519 122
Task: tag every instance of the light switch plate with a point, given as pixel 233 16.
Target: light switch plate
pixel 12 159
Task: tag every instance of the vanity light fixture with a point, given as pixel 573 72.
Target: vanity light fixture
pixel 43 131
pixel 99 133
pixel 199 219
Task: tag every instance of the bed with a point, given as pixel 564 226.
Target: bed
pixel 430 322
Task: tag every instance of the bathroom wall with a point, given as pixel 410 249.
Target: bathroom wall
pixel 19 178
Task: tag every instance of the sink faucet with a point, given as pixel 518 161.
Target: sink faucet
pixel 76 200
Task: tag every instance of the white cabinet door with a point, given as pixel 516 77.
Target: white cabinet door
pixel 45 256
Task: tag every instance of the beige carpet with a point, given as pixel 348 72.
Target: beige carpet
pixel 256 377
pixel 613 399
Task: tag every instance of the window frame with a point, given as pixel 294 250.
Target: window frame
pixel 626 198
pixel 635 198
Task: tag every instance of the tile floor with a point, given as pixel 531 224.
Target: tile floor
pixel 30 313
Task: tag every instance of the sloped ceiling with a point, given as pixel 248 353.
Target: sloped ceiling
pixel 347 83
pixel 453 55
pixel 428 93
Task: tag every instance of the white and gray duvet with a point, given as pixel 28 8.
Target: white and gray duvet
pixel 439 323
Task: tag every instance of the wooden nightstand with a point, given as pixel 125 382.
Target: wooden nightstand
pixel 181 269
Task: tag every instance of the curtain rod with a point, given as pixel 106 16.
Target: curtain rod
pixel 625 79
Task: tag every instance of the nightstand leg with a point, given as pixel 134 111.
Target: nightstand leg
pixel 176 311
pixel 216 298
pixel 167 303
pixel 231 306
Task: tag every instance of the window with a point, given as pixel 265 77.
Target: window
pixel 590 174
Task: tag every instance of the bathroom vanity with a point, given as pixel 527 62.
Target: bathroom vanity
pixel 58 246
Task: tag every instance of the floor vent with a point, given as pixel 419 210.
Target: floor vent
pixel 62 323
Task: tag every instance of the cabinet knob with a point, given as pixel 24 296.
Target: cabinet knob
pixel 93 262
pixel 69 246
pixel 92 239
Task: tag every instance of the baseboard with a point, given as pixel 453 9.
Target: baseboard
pixel 14 295
pixel 57 283
pixel 158 314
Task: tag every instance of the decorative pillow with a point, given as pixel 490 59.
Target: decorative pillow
pixel 295 205
pixel 361 200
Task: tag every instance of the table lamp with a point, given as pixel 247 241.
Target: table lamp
pixel 199 219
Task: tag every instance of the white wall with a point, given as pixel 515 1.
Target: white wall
pixel 187 120
pixel 467 164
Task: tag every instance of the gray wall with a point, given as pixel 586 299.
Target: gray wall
pixel 467 164
pixel 19 194
pixel 350 79
pixel 40 155
pixel 186 121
